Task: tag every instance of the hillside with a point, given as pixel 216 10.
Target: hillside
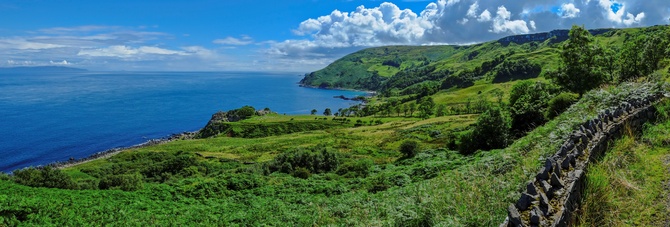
pixel 454 148
pixel 399 67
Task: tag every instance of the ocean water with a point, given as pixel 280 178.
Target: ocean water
pixel 50 117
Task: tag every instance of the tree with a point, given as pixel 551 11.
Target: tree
pixel 528 101
pixel 313 112
pixel 580 70
pixel 491 131
pixel 426 107
pixel 401 109
pixel 412 108
pixel 245 112
pixel 327 112
pixel 409 148
pixel 441 110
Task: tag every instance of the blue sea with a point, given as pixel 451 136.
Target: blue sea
pixel 48 117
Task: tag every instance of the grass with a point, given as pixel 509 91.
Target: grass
pixel 629 187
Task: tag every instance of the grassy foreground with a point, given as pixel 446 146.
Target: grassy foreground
pixel 629 187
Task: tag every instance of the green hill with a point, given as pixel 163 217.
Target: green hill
pixel 397 68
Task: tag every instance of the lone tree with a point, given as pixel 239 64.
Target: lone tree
pixel 580 69
pixel 313 112
pixel 327 112
pixel 409 148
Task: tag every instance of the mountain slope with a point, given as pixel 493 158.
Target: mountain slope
pixel 381 68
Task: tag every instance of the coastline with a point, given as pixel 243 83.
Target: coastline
pixel 178 136
pixel 111 152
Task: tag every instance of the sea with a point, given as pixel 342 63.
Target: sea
pixel 48 117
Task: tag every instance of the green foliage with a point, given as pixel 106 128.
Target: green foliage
pixel 559 104
pixel 327 112
pixel 491 131
pixel 641 55
pixel 313 112
pixel 245 112
pixel 126 182
pixel 516 70
pixel 426 107
pixel 409 148
pixel 264 129
pixel 528 101
pixel 316 160
pixel 47 177
pixel 356 168
pixel 301 172
pixel 580 70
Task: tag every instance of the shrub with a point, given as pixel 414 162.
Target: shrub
pixel 359 168
pixel 239 182
pixel 491 131
pixel 559 104
pixel 302 173
pixel 47 177
pixel 409 148
pixel 126 182
pixel 528 101
pixel 316 160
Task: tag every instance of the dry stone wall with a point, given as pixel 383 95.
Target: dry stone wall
pixel 552 198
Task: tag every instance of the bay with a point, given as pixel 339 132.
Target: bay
pixel 48 117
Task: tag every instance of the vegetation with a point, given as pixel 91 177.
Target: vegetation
pixel 450 140
pixel 629 185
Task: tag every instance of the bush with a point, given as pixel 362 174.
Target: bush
pixel 528 101
pixel 126 182
pixel 359 168
pixel 491 131
pixel 409 148
pixel 302 173
pixel 559 104
pixel 47 177
pixel 316 160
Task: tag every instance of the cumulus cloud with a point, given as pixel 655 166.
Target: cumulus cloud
pixel 568 10
pixel 503 23
pixel 457 22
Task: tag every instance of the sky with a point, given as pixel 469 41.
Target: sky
pixel 277 36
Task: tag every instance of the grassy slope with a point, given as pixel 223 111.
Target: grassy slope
pixel 354 70
pixel 629 186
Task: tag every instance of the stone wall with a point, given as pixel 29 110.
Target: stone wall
pixel 552 198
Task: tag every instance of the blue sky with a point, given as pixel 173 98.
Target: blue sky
pixel 293 36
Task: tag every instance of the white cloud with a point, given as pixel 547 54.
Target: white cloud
pixel 485 16
pixel 621 16
pixel 244 40
pixel 532 25
pixel 24 44
pixel 472 11
pixel 64 62
pixel 503 23
pixel 127 52
pixel 630 19
pixel 568 10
